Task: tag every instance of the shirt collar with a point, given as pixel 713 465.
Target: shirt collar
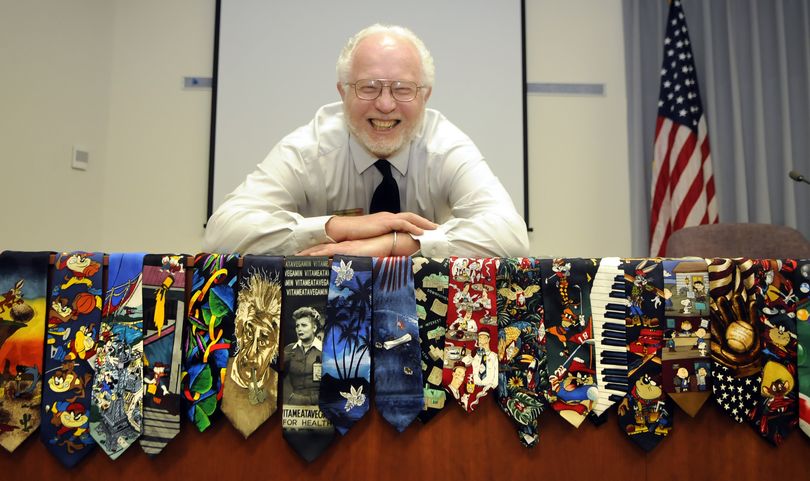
pixel 316 343
pixel 363 159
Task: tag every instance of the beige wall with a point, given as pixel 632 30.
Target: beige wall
pixel 108 75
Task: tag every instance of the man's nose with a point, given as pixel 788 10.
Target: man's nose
pixel 385 102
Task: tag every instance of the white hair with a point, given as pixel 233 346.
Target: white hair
pixel 344 62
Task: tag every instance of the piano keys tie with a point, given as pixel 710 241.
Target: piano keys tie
pixel 73 320
pixel 775 414
pixel 686 362
pixel 398 392
pixel 645 413
pixel 609 307
pixel 569 332
pixel 117 410
pixel 471 342
pixel 346 380
pixel 802 288
pixel 208 335
pixel 522 377
pixel 306 287
pixel 735 347
pixel 251 383
pixel 23 296
pixel 431 280
pixel 164 310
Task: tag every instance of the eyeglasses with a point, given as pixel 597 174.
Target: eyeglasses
pixel 401 90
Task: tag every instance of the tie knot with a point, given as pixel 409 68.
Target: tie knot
pixel 384 167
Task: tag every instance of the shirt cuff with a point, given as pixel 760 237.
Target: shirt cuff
pixel 434 243
pixel 311 231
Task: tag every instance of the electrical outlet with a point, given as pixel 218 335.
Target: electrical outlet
pixel 80 159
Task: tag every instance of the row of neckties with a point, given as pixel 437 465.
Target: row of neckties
pixel 575 335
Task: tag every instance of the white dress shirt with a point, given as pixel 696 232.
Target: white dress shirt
pixel 320 170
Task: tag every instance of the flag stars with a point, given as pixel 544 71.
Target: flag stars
pixel 679 99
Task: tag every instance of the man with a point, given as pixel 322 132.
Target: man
pixel 381 133
pixel 302 359
pixel 484 363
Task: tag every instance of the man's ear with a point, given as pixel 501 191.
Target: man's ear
pixel 341 91
pixel 429 91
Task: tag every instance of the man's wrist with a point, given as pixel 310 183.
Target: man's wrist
pixel 404 245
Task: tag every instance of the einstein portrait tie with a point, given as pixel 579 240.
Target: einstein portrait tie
pixel 398 392
pixel 164 309
pixel 471 342
pixel 74 316
pixel 251 384
pixel 116 414
pixel 645 413
pixel 306 288
pixel 23 296
pixel 523 379
pixel 802 286
pixel 346 378
pixel 208 335
pixel 386 195
pixel 431 281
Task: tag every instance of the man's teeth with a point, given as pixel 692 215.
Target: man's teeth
pixel 383 124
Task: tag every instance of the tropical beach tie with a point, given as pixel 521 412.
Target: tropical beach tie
pixel 346 380
pixel 74 316
pixel 431 281
pixel 117 410
pixel 208 335
pixel 398 392
pixel 23 296
pixel 164 309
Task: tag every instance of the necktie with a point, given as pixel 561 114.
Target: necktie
pixel 251 384
pixel 471 342
pixel 431 278
pixel 523 378
pixel 73 321
pixel 116 414
pixel 306 288
pixel 164 301
pixel 735 346
pixel 23 291
pixel 568 321
pixel 398 392
pixel 645 413
pixel 208 335
pixel 775 414
pixel 386 195
pixel 686 364
pixel 802 282
pixel 346 381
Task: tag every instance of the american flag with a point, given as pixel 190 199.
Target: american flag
pixel 682 181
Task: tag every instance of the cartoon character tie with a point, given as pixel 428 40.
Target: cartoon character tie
pixel 801 285
pixel 471 342
pixel 208 335
pixel 117 410
pixel 23 295
pixel 74 316
pixel 431 281
pixel 645 413
pixel 398 392
pixel 522 378
pixel 346 381
pixel 164 309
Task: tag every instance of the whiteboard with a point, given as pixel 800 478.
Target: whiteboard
pixel 276 66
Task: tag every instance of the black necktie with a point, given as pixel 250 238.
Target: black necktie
pixel 386 195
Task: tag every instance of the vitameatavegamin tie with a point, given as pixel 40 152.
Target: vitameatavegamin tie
pixel 471 342
pixel 306 288
pixel 569 344
pixel 522 378
pixel 116 406
pixel 802 288
pixel 398 392
pixel 645 413
pixel 776 412
pixel 735 346
pixel 251 384
pixel 74 316
pixel 431 279
pixel 346 380
pixel 686 363
pixel 386 195
pixel 23 295
pixel 164 309
pixel 609 309
pixel 208 335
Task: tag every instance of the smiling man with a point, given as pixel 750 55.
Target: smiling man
pixel 377 174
